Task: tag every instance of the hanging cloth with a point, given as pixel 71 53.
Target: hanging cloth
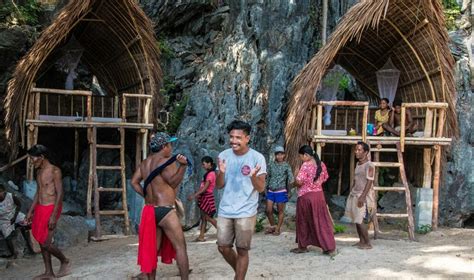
pixel 387 80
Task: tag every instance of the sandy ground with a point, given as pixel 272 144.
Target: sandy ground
pixel 447 253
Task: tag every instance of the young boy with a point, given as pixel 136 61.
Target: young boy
pixel 361 201
pixel 280 178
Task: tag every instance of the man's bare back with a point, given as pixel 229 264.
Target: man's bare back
pixel 159 192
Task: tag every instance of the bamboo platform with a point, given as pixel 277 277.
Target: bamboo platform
pixel 432 140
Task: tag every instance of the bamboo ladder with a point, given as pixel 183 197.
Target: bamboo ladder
pixel 400 165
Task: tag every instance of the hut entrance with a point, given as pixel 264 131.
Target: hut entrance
pixel 108 110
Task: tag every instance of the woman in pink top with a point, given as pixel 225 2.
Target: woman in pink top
pixel 313 221
pixel 205 196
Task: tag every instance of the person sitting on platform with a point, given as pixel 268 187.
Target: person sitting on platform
pixel 382 116
pixel 396 119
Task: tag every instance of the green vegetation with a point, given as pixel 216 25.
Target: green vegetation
pixel 424 229
pixel 165 49
pixel 451 12
pixel 339 228
pixel 16 14
pixel 259 224
pixel 174 105
pixel 344 83
pixel 176 116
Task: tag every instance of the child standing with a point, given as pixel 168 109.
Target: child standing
pixel 280 178
pixel 205 196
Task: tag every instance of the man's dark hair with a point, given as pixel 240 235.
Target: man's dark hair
pixel 39 150
pixel 239 125
pixel 385 99
pixel 364 146
pixel 397 102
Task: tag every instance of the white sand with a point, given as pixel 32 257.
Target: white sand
pixel 447 253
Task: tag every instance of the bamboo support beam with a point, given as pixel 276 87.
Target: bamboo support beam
pixel 319 128
pixel 62 91
pixel 89 108
pixel 352 167
pixel 76 153
pixel 343 103
pixel 441 120
pixel 141 96
pixel 402 128
pixel 124 108
pixel 437 168
pixel 124 181
pixel 364 123
pixel 427 174
pixel 430 105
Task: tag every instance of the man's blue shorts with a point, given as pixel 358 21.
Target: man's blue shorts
pixel 278 197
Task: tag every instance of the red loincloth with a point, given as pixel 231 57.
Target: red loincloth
pixel 147 251
pixel 39 225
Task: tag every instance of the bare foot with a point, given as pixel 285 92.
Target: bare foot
pixel 276 232
pixel 299 250
pixel 64 269
pixel 356 244
pixel 332 253
pixel 270 230
pixel 199 239
pixel 364 246
pixel 140 276
pixel 44 276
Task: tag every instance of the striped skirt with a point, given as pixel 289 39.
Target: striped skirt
pixel 207 204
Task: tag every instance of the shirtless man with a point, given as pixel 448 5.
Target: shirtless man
pixel 159 220
pixel 46 209
pixel 394 124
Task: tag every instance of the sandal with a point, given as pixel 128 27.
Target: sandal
pixel 299 250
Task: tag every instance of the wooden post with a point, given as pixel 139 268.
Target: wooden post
pixel 341 166
pixel 76 153
pixel 352 167
pixel 124 108
pixel 95 183
pixel 441 120
pixel 314 119
pixel 319 128
pixel 427 174
pixel 124 180
pixel 90 183
pixel 138 149
pixel 437 167
pixel 364 123
pixel 89 108
pixel 402 128
pixel 116 106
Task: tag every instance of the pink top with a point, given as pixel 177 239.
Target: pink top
pixel 211 177
pixel 306 176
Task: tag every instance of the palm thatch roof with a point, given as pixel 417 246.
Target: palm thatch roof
pixel 411 33
pixel 119 49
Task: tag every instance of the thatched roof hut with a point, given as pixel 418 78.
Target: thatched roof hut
pixel 411 33
pixel 119 48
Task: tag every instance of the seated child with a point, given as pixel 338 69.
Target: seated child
pixel 382 116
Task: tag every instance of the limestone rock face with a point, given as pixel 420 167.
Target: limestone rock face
pixel 457 190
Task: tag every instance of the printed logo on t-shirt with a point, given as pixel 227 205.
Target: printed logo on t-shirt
pixel 245 170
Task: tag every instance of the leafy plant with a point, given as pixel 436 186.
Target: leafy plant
pixel 26 13
pixel 344 83
pixel 424 229
pixel 259 224
pixel 165 48
pixel 451 12
pixel 339 228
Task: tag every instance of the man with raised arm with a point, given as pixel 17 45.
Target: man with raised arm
pixel 160 231
pixel 46 209
pixel 242 172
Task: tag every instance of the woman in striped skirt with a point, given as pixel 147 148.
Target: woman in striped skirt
pixel 205 196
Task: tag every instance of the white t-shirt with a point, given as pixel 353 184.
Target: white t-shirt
pixel 240 199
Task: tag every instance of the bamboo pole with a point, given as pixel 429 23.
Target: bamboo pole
pixel 90 182
pixel 441 120
pixel 437 167
pixel 89 108
pixel 62 91
pixel 314 119
pixel 124 180
pixel 343 103
pixel 76 153
pixel 319 128
pixel 339 175
pixel 95 183
pixel 124 108
pixel 352 167
pixel 402 128
pixel 16 161
pixel 427 173
pixel 364 123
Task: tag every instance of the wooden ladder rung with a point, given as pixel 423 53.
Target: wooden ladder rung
pixel 105 167
pixel 391 150
pixel 392 215
pixel 389 189
pixel 111 212
pixel 101 189
pixel 108 146
pixel 387 164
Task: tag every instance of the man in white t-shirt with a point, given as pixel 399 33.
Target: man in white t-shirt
pixel 242 172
